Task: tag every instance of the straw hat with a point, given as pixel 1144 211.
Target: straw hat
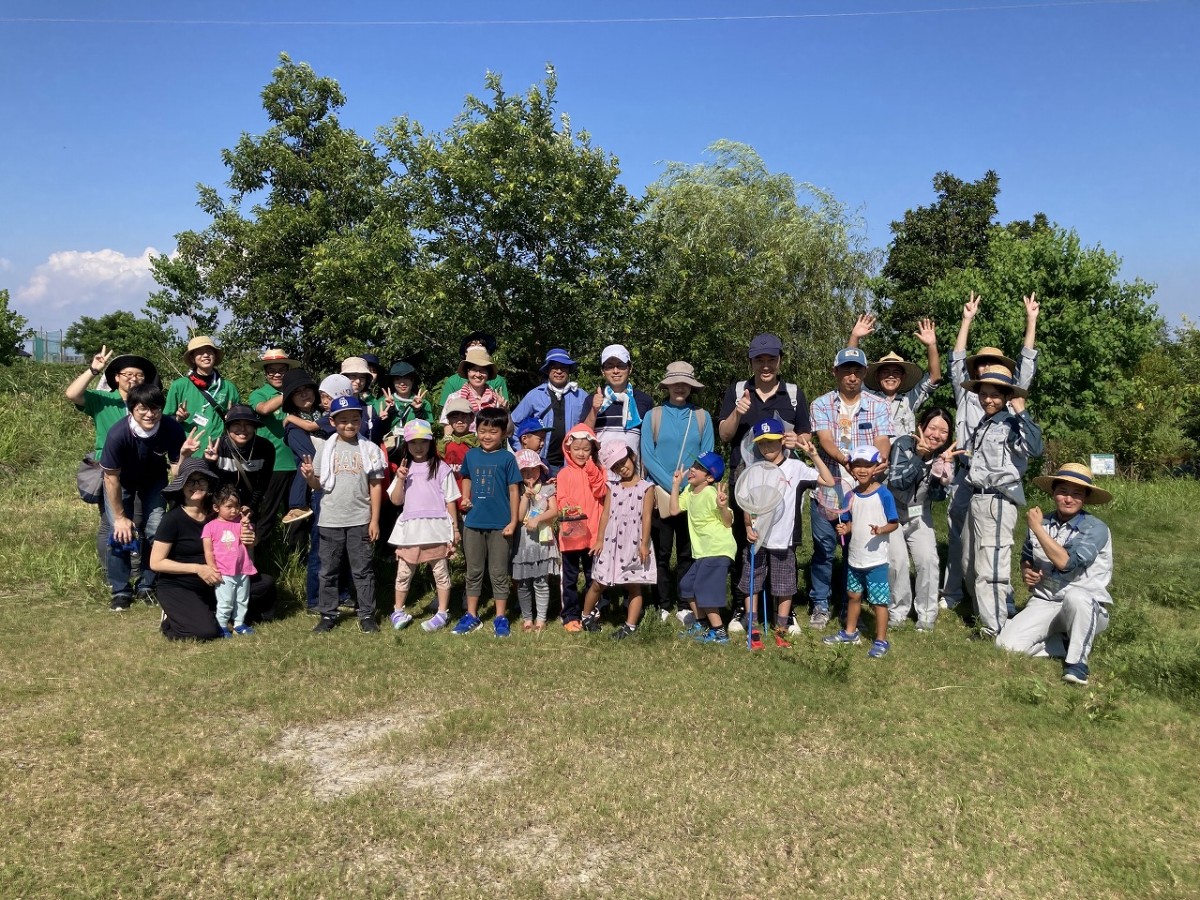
pixel 200 341
pixel 908 381
pixel 1075 473
pixel 680 372
pixel 991 356
pixel 477 356
pixel 999 376
pixel 355 365
pixel 276 357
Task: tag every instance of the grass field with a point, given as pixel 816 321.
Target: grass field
pixel 286 765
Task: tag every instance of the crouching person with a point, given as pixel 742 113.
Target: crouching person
pixel 1067 564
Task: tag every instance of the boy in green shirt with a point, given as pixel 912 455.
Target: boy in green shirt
pixel 710 521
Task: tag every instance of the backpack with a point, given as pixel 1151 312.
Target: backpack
pixel 656 420
pixel 793 392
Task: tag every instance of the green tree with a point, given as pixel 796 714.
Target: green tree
pixel 13 330
pixel 732 251
pixel 122 332
pixel 522 229
pixel 299 195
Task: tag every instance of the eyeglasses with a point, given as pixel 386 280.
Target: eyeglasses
pixel 196 481
pixel 132 373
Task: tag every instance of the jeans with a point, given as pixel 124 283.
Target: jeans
pixel 820 572
pixel 572 602
pixel 145 521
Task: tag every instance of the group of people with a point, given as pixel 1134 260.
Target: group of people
pixel 610 486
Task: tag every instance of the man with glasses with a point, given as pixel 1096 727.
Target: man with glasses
pixel 105 404
pixel 617 408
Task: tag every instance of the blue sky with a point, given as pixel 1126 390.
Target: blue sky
pixel 1089 111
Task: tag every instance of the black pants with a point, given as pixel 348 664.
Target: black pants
pixel 665 533
pixel 190 606
pixel 353 544
pixel 268 510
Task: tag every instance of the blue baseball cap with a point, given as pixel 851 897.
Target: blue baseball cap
pixel 850 356
pixel 530 425
pixel 345 404
pixel 559 356
pixel 765 344
pixel 712 463
pixel 768 430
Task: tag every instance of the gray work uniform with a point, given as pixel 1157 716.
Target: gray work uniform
pixel 915 489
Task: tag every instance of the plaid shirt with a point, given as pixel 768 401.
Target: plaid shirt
pixel 873 420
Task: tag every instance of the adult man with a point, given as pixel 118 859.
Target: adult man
pixel 843 419
pixel 1067 564
pixel 617 408
pixel 267 401
pixel 558 404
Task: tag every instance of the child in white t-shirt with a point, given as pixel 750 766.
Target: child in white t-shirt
pixel 775 558
pixel 871 518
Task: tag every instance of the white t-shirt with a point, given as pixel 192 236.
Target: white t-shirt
pixel 796 473
pixel 877 508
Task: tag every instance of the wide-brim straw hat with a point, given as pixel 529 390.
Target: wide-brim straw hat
pixel 276 357
pixel 203 340
pixel 988 356
pixel 129 361
pixel 912 373
pixel 477 356
pixel 999 376
pixel 680 372
pixel 191 466
pixel 1075 473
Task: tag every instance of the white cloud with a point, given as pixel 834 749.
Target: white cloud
pixel 5 264
pixel 74 283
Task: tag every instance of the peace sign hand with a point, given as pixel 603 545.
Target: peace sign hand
pixel 100 360
pixel 306 467
pixel 181 412
pixel 722 496
pixel 210 452
pixel 192 444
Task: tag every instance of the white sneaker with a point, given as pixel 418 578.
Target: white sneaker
pixel 663 615
pixel 794 629
pixel 686 618
pixel 942 604
pixel 736 627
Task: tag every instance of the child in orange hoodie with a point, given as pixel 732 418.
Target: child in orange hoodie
pixel 582 493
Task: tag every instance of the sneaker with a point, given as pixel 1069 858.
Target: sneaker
pixel 368 625
pixel 942 604
pixel 574 627
pixel 437 623
pixel 120 603
pixel 819 619
pixel 147 596
pixel 736 627
pixel 756 640
pixel 467 624
pixel 781 640
pixel 296 515
pixel 686 617
pixel 878 649
pixel 591 624
pixel 695 630
pixel 715 636
pixel 1076 674
pixel 325 624
pixel 794 628
pixel 243 630
pixel 225 632
pixel 843 637
pixel 400 618
pixel 623 632
pixel 663 615
pixel 924 627
pixel 312 610
pixel 500 626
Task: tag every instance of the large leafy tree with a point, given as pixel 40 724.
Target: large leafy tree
pixel 734 250
pixel 122 332
pixel 300 194
pixel 523 229
pixel 13 330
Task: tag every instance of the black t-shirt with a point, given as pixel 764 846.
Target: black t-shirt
pixel 182 532
pixel 143 461
pixel 257 464
pixel 778 406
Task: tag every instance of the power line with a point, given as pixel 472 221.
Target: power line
pixel 647 20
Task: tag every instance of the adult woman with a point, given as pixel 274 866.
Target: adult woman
pixel 919 469
pixel 454 383
pixel 200 399
pixel 246 460
pixel 186 583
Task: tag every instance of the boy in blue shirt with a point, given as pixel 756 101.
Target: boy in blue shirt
pixel 871 518
pixel 490 500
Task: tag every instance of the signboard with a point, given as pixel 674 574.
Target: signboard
pixel 1104 464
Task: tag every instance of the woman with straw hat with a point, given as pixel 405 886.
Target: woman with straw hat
pixel 901 384
pixel 199 399
pixel 1067 564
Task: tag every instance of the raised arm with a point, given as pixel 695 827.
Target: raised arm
pixel 77 388
pixel 863 327
pixel 1032 308
pixel 927 335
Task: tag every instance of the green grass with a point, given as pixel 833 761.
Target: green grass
pixel 426 765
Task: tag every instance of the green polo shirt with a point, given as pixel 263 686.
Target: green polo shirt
pixel 106 409
pixel 272 430
pixel 183 390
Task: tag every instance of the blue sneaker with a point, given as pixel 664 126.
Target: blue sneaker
pixel 715 636
pixel 500 626
pixel 696 630
pixel 467 624
pixel 843 637
pixel 242 629
pixel 1076 674
pixel 878 649
pixel 225 632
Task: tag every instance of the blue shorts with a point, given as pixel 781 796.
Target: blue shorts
pixel 870 584
pixel 705 581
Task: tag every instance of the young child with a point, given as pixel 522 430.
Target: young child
pixel 625 556
pixel 461 436
pixel 401 402
pixel 536 557
pixel 350 472
pixel 901 384
pixel 998 450
pixel 710 524
pixel 427 530
pixel 225 552
pixel 298 403
pixel 775 560
pixel 490 499
pixel 530 435
pixel 582 490
pixel 868 522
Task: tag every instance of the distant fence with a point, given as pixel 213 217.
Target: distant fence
pixel 47 346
